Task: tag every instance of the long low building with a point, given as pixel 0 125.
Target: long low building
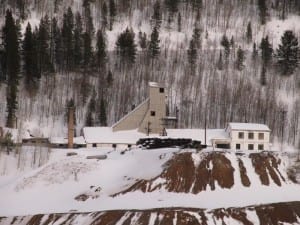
pixel 106 137
pixel 236 136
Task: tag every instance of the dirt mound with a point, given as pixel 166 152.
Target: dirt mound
pixel 183 175
pixel 271 214
pixel 264 164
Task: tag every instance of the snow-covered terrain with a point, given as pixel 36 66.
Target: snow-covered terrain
pixel 73 183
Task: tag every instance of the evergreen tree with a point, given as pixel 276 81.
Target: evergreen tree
pixel 59 49
pixel 239 63
pixel 154 48
pixel 87 51
pixel 220 62
pixel 143 40
pixel 103 117
pixel 126 48
pixel 104 13
pixel 109 79
pixel 287 53
pixel 262 7
pixel 192 54
pixel 68 39
pixel 88 20
pixel 78 41
pixel 156 18
pixel 101 54
pixel 179 22
pixel 30 57
pixel 172 6
pixel 53 36
pixel 197 37
pixel 197 5
pixel 254 52
pixel 249 32
pixel 112 13
pixel 266 50
pixel 226 45
pixel 90 121
pixel 263 79
pixel 11 64
pixel 2 77
pixel 43 40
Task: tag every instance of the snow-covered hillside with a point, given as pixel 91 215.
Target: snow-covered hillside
pixel 146 179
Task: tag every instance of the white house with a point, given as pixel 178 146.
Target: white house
pixel 245 136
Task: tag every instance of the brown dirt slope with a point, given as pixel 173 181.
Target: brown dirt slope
pixel 272 214
pixel 182 176
pixel 264 164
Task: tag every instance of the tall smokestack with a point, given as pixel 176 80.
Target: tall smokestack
pixel 70 127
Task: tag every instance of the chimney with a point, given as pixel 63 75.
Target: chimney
pixel 70 126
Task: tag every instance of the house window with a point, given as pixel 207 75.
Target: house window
pixel 161 90
pixel 238 146
pixel 241 135
pixel 261 136
pixel 152 113
pixel 251 135
pixel 250 146
pixel 94 145
pixel 260 147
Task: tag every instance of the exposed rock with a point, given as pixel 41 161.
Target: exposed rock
pixel 271 214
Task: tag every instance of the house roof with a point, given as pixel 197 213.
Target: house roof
pixel 248 126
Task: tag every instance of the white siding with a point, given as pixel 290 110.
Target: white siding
pixel 234 134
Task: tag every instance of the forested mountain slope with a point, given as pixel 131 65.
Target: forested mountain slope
pixel 219 57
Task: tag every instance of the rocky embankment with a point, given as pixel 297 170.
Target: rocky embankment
pixel 280 213
pixel 194 173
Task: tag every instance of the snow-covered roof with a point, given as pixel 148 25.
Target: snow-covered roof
pixel 106 135
pixel 249 126
pixel 60 140
pixel 17 134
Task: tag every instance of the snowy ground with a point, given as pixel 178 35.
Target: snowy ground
pixel 52 187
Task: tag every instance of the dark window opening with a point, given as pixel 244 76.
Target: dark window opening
pixel 238 146
pixel 260 147
pixel 250 135
pixel 161 90
pixel 224 146
pixel 261 136
pixel 250 146
pixel 94 145
pixel 241 135
pixel 152 113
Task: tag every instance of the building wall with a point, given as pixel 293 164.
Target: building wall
pixel 234 134
pixel 147 116
pixel 157 105
pixel 133 119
